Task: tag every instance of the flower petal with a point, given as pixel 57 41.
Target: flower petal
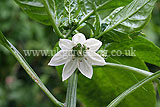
pixel 94 58
pixel 93 44
pixel 65 44
pixel 78 38
pixel 60 58
pixel 85 68
pixel 69 68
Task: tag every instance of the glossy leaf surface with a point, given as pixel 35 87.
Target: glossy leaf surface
pixel 35 9
pixel 129 19
pixel 108 82
pixel 137 46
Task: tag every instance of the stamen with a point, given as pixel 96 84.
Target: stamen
pixel 80 60
pixel 73 58
pixel 79 50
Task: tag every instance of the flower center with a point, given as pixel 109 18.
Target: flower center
pixel 79 50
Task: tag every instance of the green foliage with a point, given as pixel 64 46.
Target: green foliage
pixel 118 23
pixel 103 5
pixel 25 34
pixel 28 69
pixel 13 93
pixel 71 9
pixel 74 10
pixel 116 101
pixel 35 9
pixel 138 46
pixel 108 82
pixel 129 19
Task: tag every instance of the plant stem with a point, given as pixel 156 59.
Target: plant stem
pixel 86 17
pixel 51 14
pixel 70 32
pixel 140 71
pixel 71 91
pixel 117 100
pixel 93 11
pixel 31 73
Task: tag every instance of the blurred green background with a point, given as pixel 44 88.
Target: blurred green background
pixel 16 87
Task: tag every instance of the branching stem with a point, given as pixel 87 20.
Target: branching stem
pixel 86 17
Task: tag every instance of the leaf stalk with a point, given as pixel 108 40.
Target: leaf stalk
pixel 117 100
pixel 52 17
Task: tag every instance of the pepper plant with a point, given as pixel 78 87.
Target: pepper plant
pixel 114 26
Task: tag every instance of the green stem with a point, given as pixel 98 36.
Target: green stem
pixel 71 91
pixel 93 11
pixel 31 73
pixel 86 17
pixel 70 32
pixel 140 71
pixel 51 14
pixel 116 101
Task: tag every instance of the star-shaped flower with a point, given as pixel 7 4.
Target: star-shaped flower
pixel 78 53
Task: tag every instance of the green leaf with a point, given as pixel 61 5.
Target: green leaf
pixel 139 46
pixel 108 82
pixel 35 9
pixel 71 14
pixel 27 68
pixel 105 4
pixel 90 7
pixel 117 100
pixel 129 19
pixel 158 88
pixel 70 8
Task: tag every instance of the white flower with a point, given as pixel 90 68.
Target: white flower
pixel 78 53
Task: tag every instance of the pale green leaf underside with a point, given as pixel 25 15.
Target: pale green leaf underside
pixel 70 7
